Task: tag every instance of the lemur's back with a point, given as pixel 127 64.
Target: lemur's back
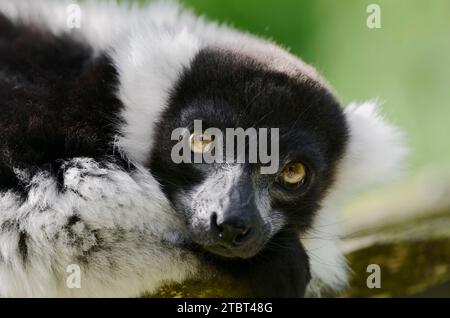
pixel 61 180
pixel 56 100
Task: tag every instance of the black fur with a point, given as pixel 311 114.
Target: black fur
pixel 280 270
pixel 23 247
pixel 56 102
pixel 225 89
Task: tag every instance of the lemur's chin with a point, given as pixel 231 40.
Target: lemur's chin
pixel 244 247
pixel 233 252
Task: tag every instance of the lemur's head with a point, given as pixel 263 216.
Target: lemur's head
pixel 233 207
pixel 229 80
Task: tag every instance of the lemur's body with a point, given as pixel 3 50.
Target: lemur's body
pixel 83 117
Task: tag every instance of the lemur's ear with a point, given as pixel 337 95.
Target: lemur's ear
pixel 376 149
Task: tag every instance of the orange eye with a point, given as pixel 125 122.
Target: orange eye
pixel 293 174
pixel 200 142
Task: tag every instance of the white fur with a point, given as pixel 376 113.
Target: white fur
pixel 127 233
pixel 376 148
pixel 148 71
pixel 374 154
pixel 101 21
pixel 213 195
pixel 150 47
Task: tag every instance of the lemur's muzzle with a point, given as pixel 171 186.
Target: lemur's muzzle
pixel 237 231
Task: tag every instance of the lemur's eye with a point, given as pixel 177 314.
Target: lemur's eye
pixel 200 142
pixel 293 175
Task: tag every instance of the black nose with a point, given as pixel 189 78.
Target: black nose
pixel 232 231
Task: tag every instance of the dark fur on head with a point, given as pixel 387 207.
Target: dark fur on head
pixel 226 89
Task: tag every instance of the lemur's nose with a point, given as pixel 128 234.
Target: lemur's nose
pixel 233 230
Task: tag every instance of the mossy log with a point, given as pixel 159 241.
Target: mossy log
pixel 414 258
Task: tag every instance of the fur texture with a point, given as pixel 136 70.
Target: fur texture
pixel 114 225
pixel 93 201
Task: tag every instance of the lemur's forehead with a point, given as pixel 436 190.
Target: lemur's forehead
pixel 253 71
pixel 240 87
pixel 276 59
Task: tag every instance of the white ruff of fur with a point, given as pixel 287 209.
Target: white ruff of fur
pixel 125 218
pixel 375 154
pixel 124 236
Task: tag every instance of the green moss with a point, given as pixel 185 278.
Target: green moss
pixel 407 268
pixel 414 258
pixel 216 287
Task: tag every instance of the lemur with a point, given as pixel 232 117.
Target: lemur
pixel 86 176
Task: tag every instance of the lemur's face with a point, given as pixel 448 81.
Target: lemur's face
pixel 232 209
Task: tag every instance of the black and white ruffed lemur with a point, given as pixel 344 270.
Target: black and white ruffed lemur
pixel 86 176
